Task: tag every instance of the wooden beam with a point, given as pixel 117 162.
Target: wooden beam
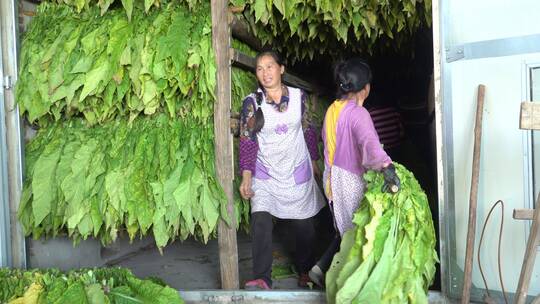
pixel 530 256
pixel 228 250
pixel 523 214
pixel 242 60
pixel 236 9
pixel 247 62
pixel 240 30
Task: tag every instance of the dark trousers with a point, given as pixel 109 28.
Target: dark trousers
pixel 327 257
pixel 261 233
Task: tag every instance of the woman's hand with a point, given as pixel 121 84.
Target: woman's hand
pixel 245 187
pixel 391 180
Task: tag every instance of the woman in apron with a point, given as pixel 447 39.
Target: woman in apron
pixel 351 146
pixel 277 148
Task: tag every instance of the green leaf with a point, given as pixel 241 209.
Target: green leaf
pixel 261 11
pixel 153 293
pixel 114 185
pixel 280 5
pixel 55 290
pixel 95 294
pixel 128 7
pixel 159 227
pixel 73 185
pixel 43 180
pixel 83 65
pixel 104 5
pixel 354 284
pixel 75 293
pixel 372 18
pixel 372 292
pixel 194 60
pixel 149 96
pixel 148 5
pixel 176 43
pixel 210 208
pixel 53 49
pixel 79 4
pixel 96 77
pixel 337 265
pixel 124 295
pixel 169 199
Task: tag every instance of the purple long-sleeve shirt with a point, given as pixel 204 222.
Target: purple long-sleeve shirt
pixel 248 138
pixel 357 145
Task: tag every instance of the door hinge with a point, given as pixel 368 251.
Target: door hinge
pixel 8 83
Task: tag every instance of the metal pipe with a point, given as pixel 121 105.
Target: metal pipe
pixel 9 38
pixel 5 239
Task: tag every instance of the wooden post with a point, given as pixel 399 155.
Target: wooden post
pixel 530 255
pixel 529 119
pixel 228 251
pixel 471 233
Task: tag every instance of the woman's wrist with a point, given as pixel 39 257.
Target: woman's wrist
pixel 386 164
pixel 246 174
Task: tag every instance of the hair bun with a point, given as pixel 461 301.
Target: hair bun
pixel 351 76
pixel 345 86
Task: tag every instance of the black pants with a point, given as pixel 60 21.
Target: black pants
pixel 327 257
pixel 261 233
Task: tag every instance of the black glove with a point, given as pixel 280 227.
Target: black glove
pixel 391 180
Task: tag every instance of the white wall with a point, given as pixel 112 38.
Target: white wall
pixel 477 20
pixel 502 170
pixel 504 157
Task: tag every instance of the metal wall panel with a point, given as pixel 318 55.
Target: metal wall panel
pixel 5 239
pixel 14 145
pixel 486 42
pixel 480 20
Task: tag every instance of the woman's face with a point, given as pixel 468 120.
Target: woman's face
pixel 269 72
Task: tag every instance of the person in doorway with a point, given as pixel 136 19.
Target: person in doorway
pixel 351 146
pixel 388 124
pixel 278 150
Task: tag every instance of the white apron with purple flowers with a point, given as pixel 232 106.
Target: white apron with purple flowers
pixel 283 183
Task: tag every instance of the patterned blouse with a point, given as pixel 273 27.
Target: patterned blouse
pixel 248 137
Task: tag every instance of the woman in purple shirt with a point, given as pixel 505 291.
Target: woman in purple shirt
pixel 277 147
pixel 351 146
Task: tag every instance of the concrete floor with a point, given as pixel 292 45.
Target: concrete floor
pixel 191 265
pixel 188 265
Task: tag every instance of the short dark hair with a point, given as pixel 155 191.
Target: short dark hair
pixel 270 53
pixel 351 76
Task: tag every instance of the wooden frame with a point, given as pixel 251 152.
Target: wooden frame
pixel 228 250
pixel 222 22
